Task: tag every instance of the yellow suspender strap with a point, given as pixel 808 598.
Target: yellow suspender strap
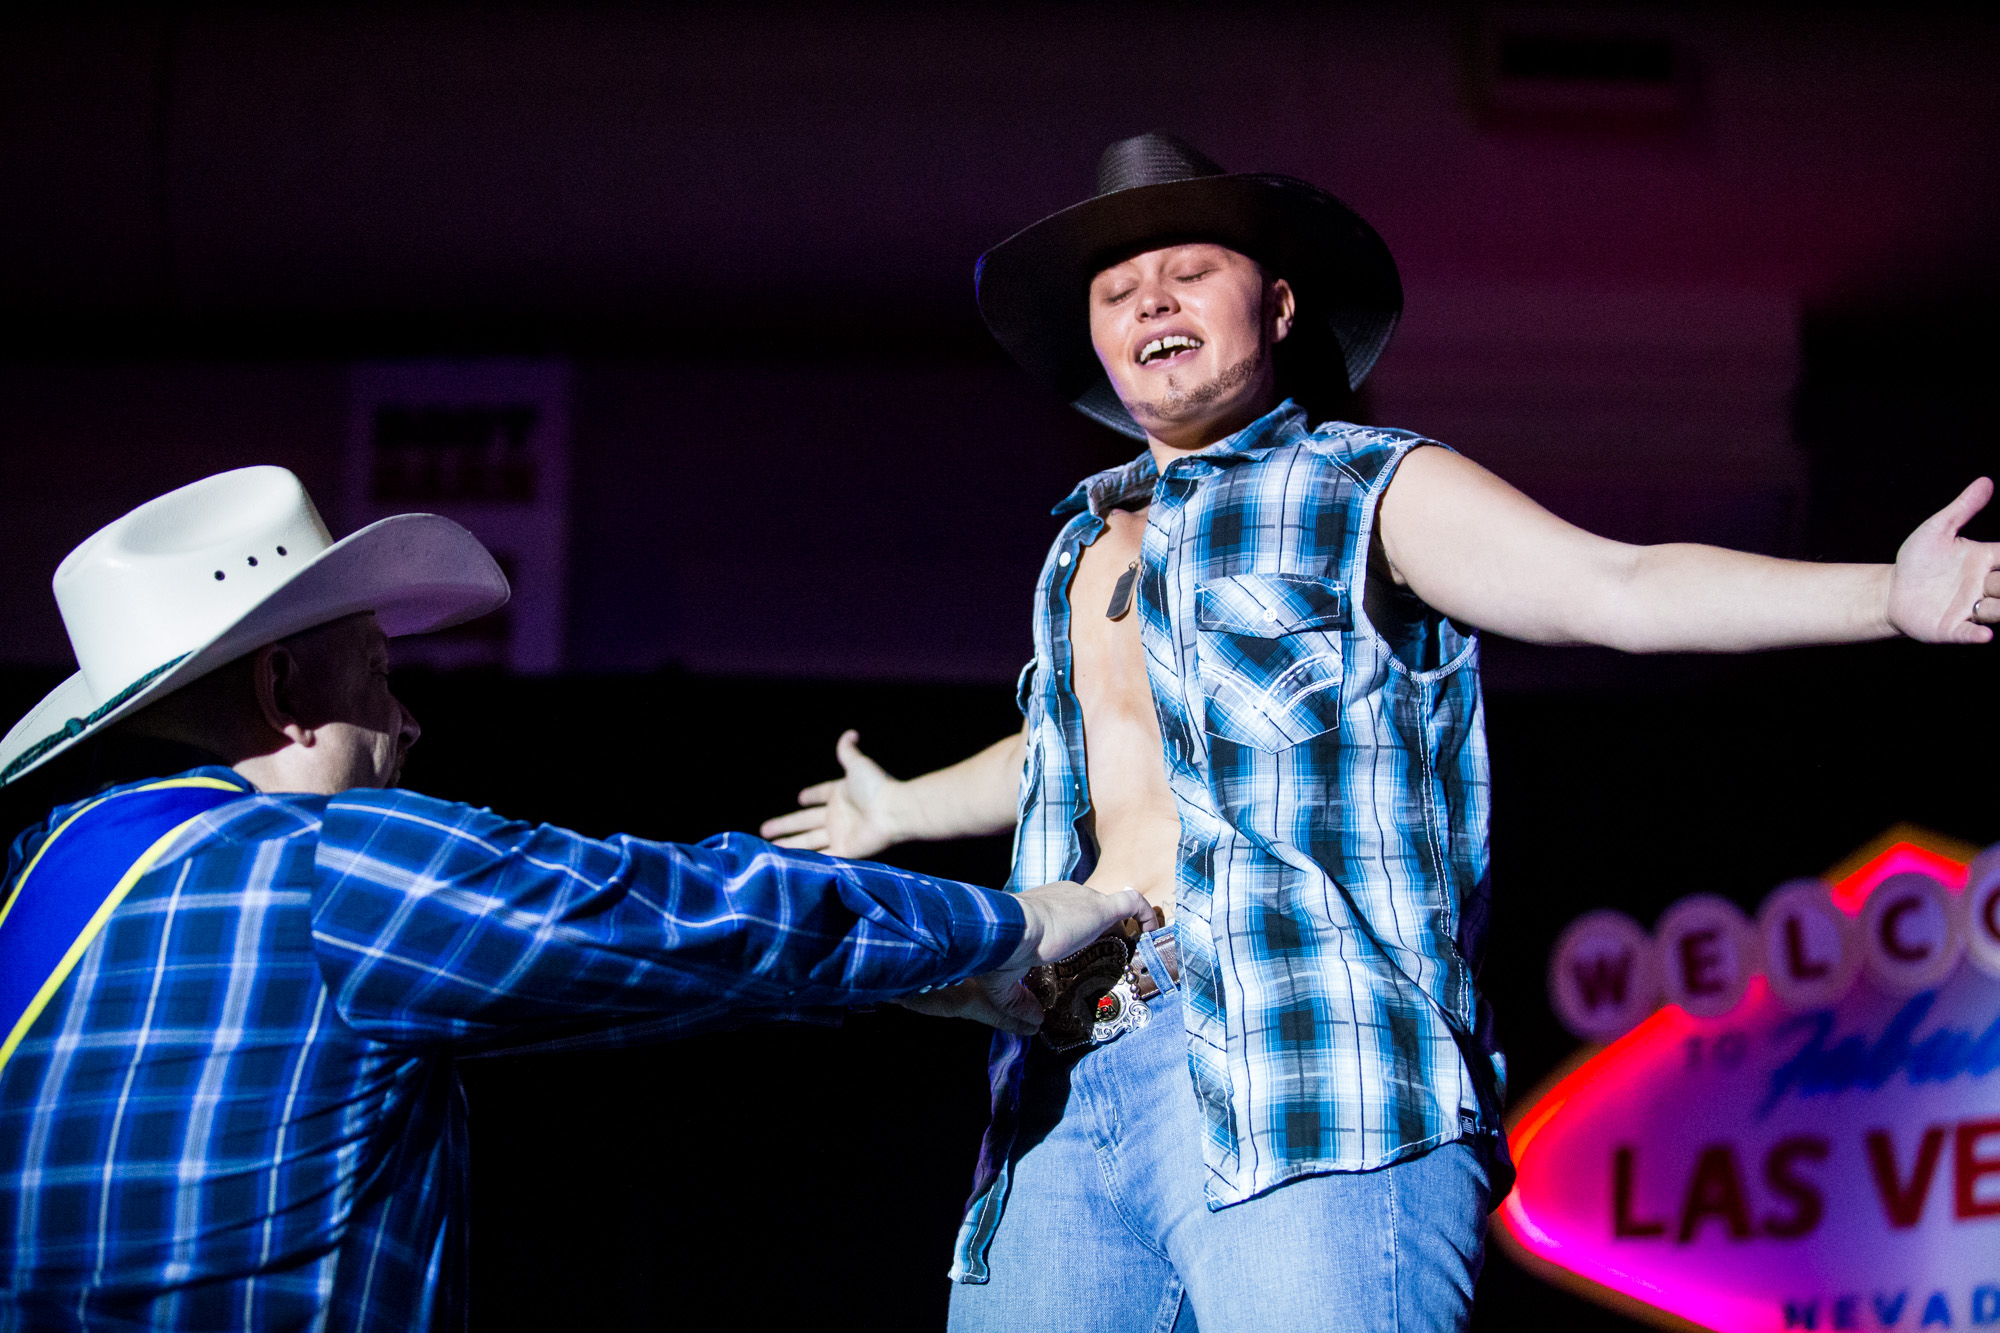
pixel 84 938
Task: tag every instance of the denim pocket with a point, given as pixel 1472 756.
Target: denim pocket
pixel 1268 657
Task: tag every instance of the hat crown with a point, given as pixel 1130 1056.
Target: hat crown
pixel 1151 159
pixel 178 570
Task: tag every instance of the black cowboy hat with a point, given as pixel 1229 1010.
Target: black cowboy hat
pixel 1155 190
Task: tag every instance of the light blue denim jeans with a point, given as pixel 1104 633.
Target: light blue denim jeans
pixel 1106 1229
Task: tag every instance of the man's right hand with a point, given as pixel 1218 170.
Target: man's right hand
pixel 849 816
pixel 1062 918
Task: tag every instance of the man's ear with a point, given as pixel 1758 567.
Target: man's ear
pixel 276 677
pixel 1281 306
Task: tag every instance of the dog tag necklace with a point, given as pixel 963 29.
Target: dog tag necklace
pixel 1121 595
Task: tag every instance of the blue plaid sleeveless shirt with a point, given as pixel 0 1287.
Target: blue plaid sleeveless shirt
pixel 1331 777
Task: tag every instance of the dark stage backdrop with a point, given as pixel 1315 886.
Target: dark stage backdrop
pixel 783 1176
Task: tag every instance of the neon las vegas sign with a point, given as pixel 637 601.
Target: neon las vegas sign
pixel 1806 1133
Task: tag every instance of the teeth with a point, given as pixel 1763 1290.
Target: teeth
pixel 1167 346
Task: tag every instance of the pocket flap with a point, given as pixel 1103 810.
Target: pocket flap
pixel 1267 606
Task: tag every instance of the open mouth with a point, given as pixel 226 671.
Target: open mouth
pixel 1167 347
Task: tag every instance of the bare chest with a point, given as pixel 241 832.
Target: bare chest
pixel 1109 661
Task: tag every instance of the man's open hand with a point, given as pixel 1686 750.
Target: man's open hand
pixel 849 816
pixel 1945 589
pixel 1062 918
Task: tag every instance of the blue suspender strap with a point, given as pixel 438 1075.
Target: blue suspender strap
pixel 75 880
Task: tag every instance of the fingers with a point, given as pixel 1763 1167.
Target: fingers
pixel 819 793
pixel 1985 612
pixel 991 1000
pixel 1130 902
pixel 1021 1010
pixel 1063 917
pixel 815 841
pixel 799 821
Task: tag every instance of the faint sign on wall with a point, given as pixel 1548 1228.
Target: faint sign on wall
pixel 485 443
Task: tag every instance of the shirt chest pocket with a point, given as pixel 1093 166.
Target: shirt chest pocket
pixel 1268 657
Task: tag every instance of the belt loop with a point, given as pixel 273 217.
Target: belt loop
pixel 1163 977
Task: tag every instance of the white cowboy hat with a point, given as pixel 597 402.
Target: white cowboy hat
pixel 214 570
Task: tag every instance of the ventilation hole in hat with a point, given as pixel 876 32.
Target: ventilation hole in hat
pixel 281 550
pixel 218 576
pixel 253 562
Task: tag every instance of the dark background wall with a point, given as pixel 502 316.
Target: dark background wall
pixel 750 229
pixel 1745 300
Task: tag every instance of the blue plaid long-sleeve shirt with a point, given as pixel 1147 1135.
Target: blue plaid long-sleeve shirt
pixel 1330 776
pixel 240 1110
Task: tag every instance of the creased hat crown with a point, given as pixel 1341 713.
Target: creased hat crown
pixel 1150 159
pixel 178 570
pixel 219 568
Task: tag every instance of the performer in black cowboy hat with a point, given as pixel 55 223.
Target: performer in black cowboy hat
pixel 1255 697
pixel 232 987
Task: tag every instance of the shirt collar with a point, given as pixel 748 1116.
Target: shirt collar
pixel 1106 490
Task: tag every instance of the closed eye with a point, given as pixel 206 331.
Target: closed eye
pixel 1196 277
pixel 1114 298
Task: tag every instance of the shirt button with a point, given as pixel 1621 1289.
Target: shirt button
pixel 1270 613
pixel 1063 559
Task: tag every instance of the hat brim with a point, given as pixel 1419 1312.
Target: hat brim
pixel 416 572
pixel 1032 286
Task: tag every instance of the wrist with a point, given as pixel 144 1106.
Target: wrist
pixel 1884 602
pixel 897 814
pixel 1025 953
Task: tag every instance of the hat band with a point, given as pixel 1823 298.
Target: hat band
pixel 76 726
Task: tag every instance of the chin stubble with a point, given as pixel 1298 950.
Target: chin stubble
pixel 1180 404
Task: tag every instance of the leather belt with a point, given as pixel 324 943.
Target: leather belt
pixel 1144 985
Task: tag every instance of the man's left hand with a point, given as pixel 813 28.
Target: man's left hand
pixel 1944 588
pixel 998 1000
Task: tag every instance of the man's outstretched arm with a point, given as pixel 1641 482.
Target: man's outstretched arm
pixel 867 810
pixel 436 922
pixel 1478 550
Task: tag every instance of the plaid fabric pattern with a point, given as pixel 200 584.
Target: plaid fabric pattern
pixel 241 1111
pixel 1331 778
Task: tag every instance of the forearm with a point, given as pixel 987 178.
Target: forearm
pixel 434 921
pixel 1687 598
pixel 1481 552
pixel 971 798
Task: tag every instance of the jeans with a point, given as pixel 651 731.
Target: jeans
pixel 1106 1229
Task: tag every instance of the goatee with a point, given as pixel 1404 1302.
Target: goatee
pixel 1178 404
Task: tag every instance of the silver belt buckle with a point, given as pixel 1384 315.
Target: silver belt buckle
pixel 1119 1012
